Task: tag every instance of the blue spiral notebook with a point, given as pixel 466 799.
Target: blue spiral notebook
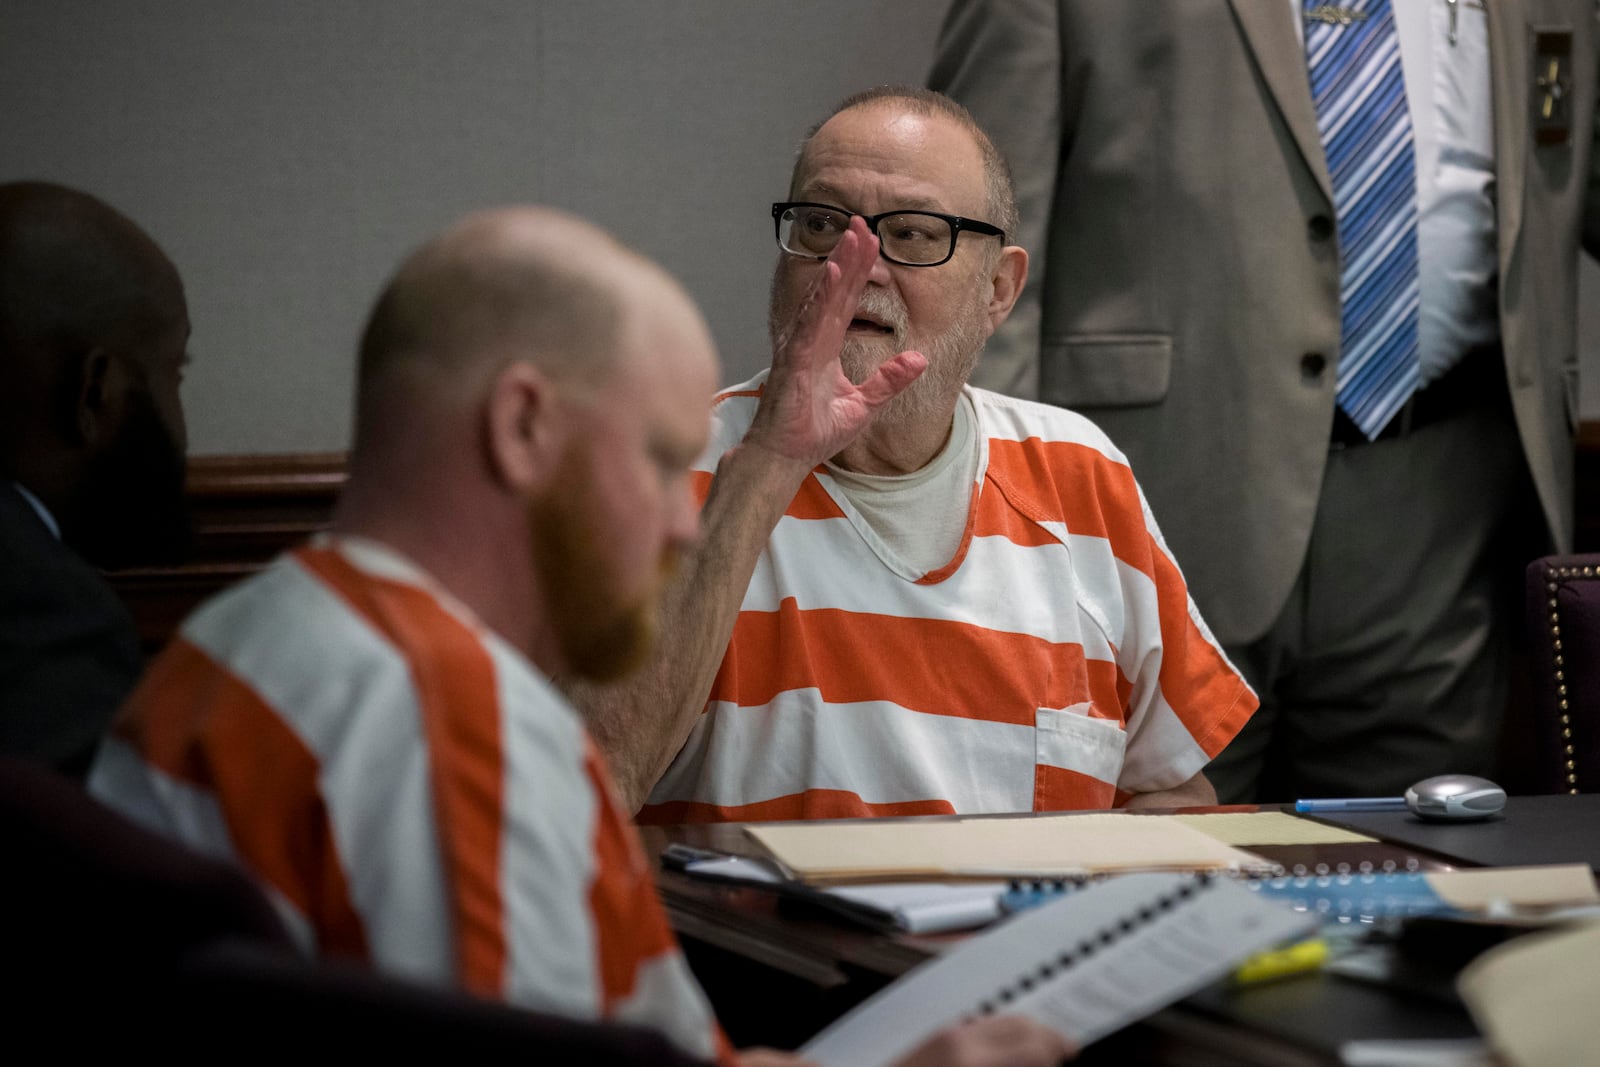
pixel 1334 897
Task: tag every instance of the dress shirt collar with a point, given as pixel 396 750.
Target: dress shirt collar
pixel 43 512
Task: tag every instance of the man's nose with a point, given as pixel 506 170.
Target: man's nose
pixel 880 273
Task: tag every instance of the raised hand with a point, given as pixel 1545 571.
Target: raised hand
pixel 809 409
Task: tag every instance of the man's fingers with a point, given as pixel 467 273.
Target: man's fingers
pixel 855 253
pixel 831 303
pixel 891 377
pixel 1012 1040
pixel 818 316
pixel 770 1057
pixel 996 1041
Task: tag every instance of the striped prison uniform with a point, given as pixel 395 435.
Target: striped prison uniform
pixel 1056 662
pixel 407 787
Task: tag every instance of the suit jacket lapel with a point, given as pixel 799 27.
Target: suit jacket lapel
pixel 1509 85
pixel 1281 58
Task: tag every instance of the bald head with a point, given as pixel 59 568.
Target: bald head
pixel 1000 190
pixel 524 283
pixel 75 275
pixel 531 397
pixel 71 265
pixel 93 337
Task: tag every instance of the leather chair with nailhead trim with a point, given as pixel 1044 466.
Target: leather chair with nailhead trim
pixel 1564 640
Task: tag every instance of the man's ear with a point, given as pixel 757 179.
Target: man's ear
pixel 1010 275
pixel 524 426
pixel 99 388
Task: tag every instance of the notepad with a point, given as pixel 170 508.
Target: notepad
pixel 919 907
pixel 1062 845
pixel 1085 965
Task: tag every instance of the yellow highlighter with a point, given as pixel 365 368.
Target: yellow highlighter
pixel 1298 958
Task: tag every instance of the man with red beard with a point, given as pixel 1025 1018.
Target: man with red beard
pixel 93 331
pixel 958 604
pixel 367 726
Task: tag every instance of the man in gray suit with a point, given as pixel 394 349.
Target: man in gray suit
pixel 1178 203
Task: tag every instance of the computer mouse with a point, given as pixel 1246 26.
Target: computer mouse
pixel 1455 798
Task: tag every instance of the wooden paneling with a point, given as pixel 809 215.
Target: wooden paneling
pixel 247 509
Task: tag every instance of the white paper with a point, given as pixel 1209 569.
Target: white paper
pixel 735 869
pixel 929 907
pixel 1130 956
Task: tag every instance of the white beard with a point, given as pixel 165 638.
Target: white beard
pixel 951 356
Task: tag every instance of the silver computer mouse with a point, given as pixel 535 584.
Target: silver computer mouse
pixel 1455 797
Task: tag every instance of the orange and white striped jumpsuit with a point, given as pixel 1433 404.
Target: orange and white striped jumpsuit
pixel 1055 662
pixel 408 788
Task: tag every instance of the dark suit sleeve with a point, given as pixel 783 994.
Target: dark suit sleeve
pixel 1002 60
pixel 69 652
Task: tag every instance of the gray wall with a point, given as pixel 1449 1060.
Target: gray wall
pixel 287 154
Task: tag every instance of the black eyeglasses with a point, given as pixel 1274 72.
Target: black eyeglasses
pixel 909 238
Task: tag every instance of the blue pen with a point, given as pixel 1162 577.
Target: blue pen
pixel 1352 804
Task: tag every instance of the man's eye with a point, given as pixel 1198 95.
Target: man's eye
pixel 911 233
pixel 821 223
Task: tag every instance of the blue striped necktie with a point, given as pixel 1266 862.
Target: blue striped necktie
pixel 1360 99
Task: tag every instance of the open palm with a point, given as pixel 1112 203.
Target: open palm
pixel 809 409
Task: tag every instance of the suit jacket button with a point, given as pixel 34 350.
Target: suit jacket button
pixel 1312 364
pixel 1320 227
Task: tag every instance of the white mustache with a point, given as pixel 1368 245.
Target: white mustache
pixel 883 307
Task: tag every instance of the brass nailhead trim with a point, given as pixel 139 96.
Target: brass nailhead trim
pixel 1552 587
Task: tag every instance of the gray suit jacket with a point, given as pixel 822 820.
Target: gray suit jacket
pixel 1184 288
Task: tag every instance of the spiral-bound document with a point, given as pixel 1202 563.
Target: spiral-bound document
pixel 1086 965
